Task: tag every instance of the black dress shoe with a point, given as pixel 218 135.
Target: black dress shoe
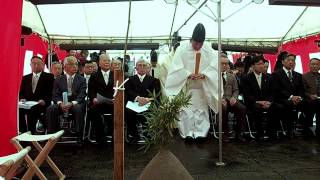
pixel 188 140
pixel 201 139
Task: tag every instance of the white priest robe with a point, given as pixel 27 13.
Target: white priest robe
pixel 194 120
pixel 164 71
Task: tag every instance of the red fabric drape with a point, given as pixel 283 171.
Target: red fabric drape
pixel 303 47
pixel 11 71
pixel 35 44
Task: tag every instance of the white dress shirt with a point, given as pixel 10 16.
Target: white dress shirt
pixel 287 73
pixel 141 77
pixel 68 77
pixel 141 80
pixel 35 79
pixel 258 78
pixel 105 75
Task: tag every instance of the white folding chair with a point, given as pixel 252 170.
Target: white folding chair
pixel 9 164
pixel 44 151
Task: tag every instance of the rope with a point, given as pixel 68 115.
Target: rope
pixel 117 87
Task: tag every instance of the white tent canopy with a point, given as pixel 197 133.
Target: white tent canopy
pixel 152 19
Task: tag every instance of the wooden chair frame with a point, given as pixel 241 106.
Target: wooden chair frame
pixel 43 155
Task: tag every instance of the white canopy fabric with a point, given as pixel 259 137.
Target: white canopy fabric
pixel 154 18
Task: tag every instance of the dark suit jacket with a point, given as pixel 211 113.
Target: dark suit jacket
pixel 231 88
pixel 97 85
pixel 135 88
pixel 42 91
pixel 283 88
pixel 253 93
pixel 310 84
pixel 78 88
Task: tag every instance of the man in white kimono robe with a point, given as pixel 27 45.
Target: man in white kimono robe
pixel 194 120
pixel 165 67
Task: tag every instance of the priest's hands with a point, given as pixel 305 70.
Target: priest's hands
pixel 196 76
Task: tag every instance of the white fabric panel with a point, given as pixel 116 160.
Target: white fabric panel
pixel 15 157
pixel 308 24
pixel 31 18
pixel 298 67
pixel 314 55
pixel 32 138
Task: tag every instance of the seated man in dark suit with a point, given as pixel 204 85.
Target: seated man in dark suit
pixel 100 88
pixel 311 81
pixel 230 102
pixel 288 91
pixel 258 98
pixel 138 89
pixel 75 86
pixel 36 86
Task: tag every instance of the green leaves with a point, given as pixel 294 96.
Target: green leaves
pixel 162 118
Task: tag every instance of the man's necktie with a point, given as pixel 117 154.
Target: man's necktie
pixel 70 80
pixel 318 86
pixel 152 72
pixel 259 81
pixel 290 76
pixel 34 82
pixel 106 78
pixel 223 79
pixel 87 79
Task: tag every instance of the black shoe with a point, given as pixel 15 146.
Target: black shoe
pixel 188 140
pixel 201 139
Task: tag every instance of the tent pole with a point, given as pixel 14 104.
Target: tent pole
pixel 293 25
pixel 219 163
pixel 200 10
pixel 204 2
pixel 118 115
pixel 235 12
pixel 173 18
pixel 49 43
pixel 44 27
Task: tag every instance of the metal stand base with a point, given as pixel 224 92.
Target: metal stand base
pixel 220 163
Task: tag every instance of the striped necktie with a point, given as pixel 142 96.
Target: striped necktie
pixel 35 79
pixel 70 81
pixel 290 76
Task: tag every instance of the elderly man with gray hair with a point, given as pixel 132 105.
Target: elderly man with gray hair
pixel 137 90
pixel 74 85
pixel 100 92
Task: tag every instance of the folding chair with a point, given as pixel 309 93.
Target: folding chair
pixel 9 164
pixel 43 153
